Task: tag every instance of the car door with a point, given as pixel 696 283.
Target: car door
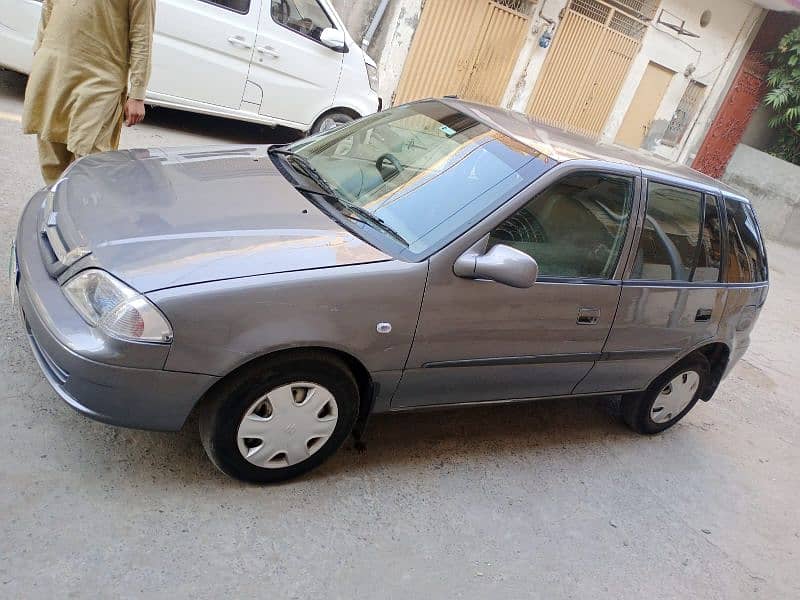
pixel 202 51
pixel 295 74
pixel 481 340
pixel 672 296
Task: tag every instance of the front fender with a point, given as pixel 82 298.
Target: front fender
pixel 221 325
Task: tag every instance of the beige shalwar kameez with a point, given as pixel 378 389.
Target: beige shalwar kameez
pixel 86 53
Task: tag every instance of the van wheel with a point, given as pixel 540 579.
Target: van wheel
pixel 331 120
pixel 669 398
pixel 279 418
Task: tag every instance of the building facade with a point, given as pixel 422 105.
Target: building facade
pixel 647 74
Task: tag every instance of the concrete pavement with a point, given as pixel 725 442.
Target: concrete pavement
pixel 555 499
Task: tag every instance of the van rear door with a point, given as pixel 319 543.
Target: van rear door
pixel 202 51
pixel 294 73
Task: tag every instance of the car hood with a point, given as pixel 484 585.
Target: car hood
pixel 160 218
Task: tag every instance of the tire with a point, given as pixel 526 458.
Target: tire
pixel 275 400
pixel 664 403
pixel 330 121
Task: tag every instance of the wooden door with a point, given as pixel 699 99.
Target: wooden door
pixel 648 97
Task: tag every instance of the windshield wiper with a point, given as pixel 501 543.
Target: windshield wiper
pixel 373 219
pixel 333 199
pixel 357 213
pixel 305 167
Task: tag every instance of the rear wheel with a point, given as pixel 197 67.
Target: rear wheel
pixel 669 398
pixel 331 120
pixel 278 419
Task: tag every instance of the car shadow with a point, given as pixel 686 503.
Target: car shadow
pixel 431 438
pixel 226 130
pixel 12 85
pixel 400 441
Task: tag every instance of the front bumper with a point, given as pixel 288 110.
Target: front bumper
pixel 99 387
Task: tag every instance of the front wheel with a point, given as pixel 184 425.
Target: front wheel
pixel 669 398
pixel 280 418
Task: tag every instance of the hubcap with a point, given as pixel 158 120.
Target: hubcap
pixel 328 124
pixel 675 397
pixel 287 425
pixel 333 121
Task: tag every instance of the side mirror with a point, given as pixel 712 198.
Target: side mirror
pixel 333 39
pixel 502 264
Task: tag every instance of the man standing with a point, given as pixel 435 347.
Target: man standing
pixel 86 54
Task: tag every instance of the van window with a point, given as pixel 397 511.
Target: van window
pixel 305 17
pixel 575 228
pixel 240 6
pixel 709 252
pixel 670 234
pixel 746 261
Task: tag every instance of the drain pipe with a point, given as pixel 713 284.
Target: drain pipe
pixel 373 25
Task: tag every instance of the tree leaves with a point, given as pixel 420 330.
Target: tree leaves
pixel 784 96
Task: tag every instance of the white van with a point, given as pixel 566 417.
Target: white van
pixel 276 62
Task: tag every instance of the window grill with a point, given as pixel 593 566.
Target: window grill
pixel 520 6
pixel 627 26
pixel 597 11
pixel 686 112
pixel 619 15
pixel 641 9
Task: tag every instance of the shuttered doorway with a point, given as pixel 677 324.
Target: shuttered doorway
pixel 466 48
pixel 587 64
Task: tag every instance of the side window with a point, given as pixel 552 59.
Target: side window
pixel 305 17
pixel 746 261
pixel 709 252
pixel 575 228
pixel 240 6
pixel 670 234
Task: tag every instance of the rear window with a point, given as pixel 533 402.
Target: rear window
pixel 709 252
pixel 746 261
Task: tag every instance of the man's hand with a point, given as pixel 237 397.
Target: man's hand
pixel 134 112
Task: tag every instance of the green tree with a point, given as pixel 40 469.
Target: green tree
pixel 784 96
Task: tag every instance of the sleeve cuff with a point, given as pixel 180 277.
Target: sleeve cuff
pixel 137 92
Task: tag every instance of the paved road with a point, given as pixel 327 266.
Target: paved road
pixel 547 500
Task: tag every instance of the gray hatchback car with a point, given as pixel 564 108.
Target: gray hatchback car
pixel 439 253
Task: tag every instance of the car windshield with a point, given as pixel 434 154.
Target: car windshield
pixel 423 172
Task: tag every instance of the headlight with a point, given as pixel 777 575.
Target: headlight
pixel 121 312
pixel 372 75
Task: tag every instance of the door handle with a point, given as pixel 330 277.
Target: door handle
pixel 268 50
pixel 239 42
pixel 703 315
pixel 588 316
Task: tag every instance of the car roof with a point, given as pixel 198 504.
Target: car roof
pixel 562 145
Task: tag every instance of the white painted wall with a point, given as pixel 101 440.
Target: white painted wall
pixel 398 26
pixel 771 184
pixel 715 56
pixel 531 59
pixel 712 57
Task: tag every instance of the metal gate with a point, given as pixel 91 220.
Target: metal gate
pixel 464 47
pixel 591 54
